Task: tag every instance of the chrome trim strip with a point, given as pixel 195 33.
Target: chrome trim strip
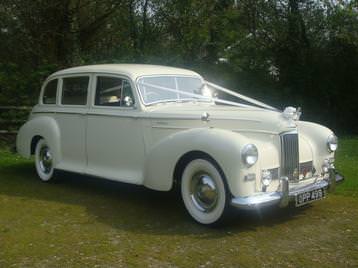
pixel 218 117
pixel 116 114
pixel 255 131
pixel 171 127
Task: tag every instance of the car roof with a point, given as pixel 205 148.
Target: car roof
pixel 131 70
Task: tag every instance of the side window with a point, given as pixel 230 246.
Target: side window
pixel 113 91
pixel 50 92
pixel 108 91
pixel 75 90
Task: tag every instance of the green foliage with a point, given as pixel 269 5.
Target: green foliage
pixel 19 87
pixel 292 52
pixel 347 164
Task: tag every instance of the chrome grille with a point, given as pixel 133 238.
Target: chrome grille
pixel 274 173
pixel 290 155
pixel 306 167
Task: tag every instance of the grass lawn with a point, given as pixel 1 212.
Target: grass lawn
pixel 81 221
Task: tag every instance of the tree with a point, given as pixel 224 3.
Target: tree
pixel 285 52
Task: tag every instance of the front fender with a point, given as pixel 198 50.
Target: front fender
pixel 43 126
pixel 316 135
pixel 222 145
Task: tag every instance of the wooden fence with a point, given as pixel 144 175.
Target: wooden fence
pixel 12 117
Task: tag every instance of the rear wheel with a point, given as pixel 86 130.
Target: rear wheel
pixel 44 161
pixel 204 192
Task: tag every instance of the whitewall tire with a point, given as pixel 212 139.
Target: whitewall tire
pixel 204 192
pixel 44 161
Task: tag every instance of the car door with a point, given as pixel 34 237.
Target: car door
pixel 115 147
pixel 71 118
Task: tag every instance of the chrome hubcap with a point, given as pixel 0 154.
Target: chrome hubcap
pixel 203 192
pixel 45 160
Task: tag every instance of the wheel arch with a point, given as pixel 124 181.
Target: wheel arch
pixel 34 142
pixel 42 127
pixel 167 158
pixel 186 158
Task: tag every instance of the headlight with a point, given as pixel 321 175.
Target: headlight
pixel 332 143
pixel 249 154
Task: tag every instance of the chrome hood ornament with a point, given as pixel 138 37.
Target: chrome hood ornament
pixel 291 113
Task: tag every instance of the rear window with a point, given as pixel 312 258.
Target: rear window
pixel 50 92
pixel 75 90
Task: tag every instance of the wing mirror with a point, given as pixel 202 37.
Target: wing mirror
pixel 208 92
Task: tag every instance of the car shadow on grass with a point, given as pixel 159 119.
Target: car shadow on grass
pixel 130 207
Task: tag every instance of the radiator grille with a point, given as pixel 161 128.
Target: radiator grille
pixel 290 156
pixel 306 167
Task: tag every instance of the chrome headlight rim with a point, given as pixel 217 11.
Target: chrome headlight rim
pixel 249 154
pixel 332 143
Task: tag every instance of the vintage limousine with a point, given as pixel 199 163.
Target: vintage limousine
pixel 160 127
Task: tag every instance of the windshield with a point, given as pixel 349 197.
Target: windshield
pixel 156 89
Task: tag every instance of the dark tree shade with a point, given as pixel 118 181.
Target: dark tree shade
pixel 288 52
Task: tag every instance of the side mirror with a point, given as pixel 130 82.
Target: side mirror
pixel 208 92
pixel 128 101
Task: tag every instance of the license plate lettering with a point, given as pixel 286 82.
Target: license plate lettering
pixel 308 197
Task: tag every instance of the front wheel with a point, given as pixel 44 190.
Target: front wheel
pixel 44 161
pixel 204 192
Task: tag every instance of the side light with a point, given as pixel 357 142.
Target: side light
pixel 266 177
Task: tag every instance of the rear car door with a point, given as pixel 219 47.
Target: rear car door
pixel 71 117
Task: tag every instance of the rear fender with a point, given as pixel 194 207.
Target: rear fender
pixel 44 127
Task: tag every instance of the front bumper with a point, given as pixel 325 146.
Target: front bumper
pixel 288 193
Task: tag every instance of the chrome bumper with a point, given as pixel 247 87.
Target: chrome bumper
pixel 287 193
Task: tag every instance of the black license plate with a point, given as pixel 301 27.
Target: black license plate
pixel 310 196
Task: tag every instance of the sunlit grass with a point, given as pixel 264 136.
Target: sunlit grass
pixel 81 221
pixel 347 164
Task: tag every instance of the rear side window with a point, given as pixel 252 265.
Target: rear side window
pixel 75 90
pixel 50 92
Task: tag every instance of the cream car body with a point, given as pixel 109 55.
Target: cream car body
pixel 151 144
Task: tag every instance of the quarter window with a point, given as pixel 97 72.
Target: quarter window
pixel 50 92
pixel 74 90
pixel 113 91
